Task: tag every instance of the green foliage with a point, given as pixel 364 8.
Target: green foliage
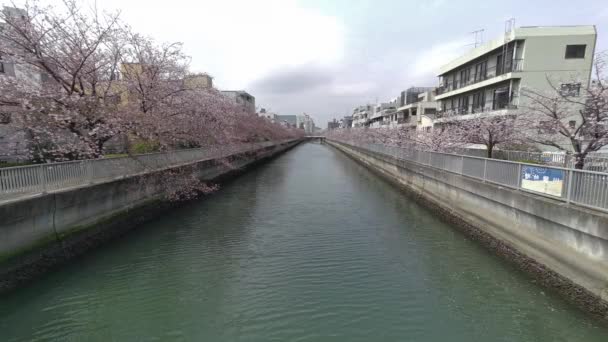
pixel 144 146
pixel 11 164
pixel 115 155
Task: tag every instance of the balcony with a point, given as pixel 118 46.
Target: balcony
pixel 489 73
pixel 492 109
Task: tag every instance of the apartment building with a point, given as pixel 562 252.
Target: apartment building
pixel 427 108
pixel 412 103
pixel 362 114
pixel 288 120
pixel 346 122
pixel 488 80
pixel 272 117
pixel 242 98
pixel 14 139
pixel 333 125
pixel 306 123
pixel 381 115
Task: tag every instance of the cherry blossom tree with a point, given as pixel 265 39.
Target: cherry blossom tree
pixel 572 117
pixel 100 80
pixel 489 131
pixel 67 55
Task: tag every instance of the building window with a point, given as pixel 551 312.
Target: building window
pixel 481 71
pixel 479 101
pixel 463 104
pixel 465 76
pixel 1 66
pixel 575 51
pixel 501 98
pixel 570 89
pixel 572 124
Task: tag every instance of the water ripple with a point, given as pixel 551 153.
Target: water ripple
pixel 295 250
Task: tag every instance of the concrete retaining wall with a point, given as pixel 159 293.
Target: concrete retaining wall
pixel 40 232
pixel 562 245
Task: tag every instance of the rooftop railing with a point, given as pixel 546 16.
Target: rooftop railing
pixel 580 187
pixel 21 181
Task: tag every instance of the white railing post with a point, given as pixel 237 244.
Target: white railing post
pixel 485 169
pixel 461 165
pixel 89 170
pixel 569 189
pixel 42 178
pixel 519 175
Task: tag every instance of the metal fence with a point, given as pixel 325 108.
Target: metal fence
pixel 41 178
pixel 593 162
pixel 582 187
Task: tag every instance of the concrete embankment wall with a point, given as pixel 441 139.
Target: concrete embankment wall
pixel 563 246
pixel 39 232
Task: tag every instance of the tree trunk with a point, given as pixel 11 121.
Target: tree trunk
pixel 490 149
pixel 579 161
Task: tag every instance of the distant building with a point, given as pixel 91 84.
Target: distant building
pixel 413 103
pixel 333 125
pixel 382 112
pixel 272 117
pixel 362 114
pixel 200 80
pixel 288 120
pixel 306 123
pixel 242 98
pixel 346 122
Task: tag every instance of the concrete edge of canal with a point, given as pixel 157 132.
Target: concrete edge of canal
pixel 41 232
pixel 563 247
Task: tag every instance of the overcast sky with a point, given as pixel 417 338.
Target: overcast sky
pixel 325 57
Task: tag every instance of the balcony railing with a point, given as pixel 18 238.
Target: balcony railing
pixel 479 109
pixel 515 66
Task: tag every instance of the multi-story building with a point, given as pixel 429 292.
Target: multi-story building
pixel 200 80
pixel 412 105
pixel 306 123
pixel 346 122
pixel 333 125
pixel 382 113
pixel 14 139
pixel 427 108
pixel 242 98
pixel 489 79
pixel 362 114
pixel 272 117
pixel 288 120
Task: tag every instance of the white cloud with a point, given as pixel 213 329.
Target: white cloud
pixel 428 62
pixel 238 41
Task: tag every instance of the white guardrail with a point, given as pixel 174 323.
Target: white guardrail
pixel 586 188
pixel 40 178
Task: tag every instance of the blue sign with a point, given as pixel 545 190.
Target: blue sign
pixel 534 173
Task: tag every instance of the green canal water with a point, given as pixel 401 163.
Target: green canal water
pixel 308 247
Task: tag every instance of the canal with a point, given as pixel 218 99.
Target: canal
pixel 308 247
